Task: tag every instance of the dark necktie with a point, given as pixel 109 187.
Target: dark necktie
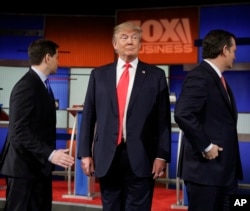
pixel 223 82
pixel 225 86
pixel 122 89
pixel 49 88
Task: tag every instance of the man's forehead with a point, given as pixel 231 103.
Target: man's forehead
pixel 128 32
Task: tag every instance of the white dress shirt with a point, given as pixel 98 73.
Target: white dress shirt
pixel 119 71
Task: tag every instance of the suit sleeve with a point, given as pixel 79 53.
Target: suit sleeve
pixel 25 117
pixel 87 125
pixel 164 148
pixel 188 110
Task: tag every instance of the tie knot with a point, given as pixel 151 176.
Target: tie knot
pixel 127 65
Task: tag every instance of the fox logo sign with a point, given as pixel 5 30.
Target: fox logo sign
pixel 240 202
pixel 166 36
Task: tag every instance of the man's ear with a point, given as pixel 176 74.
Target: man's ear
pixel 46 58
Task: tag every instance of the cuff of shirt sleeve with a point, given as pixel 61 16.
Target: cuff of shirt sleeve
pixel 208 148
pixel 51 155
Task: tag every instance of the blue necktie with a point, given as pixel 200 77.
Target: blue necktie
pixel 49 88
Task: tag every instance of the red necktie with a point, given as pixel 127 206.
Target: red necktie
pixel 122 89
pixel 223 82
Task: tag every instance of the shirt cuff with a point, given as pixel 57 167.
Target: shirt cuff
pixel 208 148
pixel 51 155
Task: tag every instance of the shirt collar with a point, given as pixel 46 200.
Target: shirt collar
pixel 216 69
pixel 40 74
pixel 120 63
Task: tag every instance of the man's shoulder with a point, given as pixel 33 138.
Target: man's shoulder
pixel 149 66
pixel 105 66
pixel 152 69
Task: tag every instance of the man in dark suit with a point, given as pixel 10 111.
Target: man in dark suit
pixel 29 153
pixel 206 113
pixel 126 171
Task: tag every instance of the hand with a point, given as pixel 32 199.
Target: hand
pixel 62 158
pixel 159 168
pixel 213 152
pixel 87 165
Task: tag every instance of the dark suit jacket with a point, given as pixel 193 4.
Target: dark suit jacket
pixel 32 130
pixel 205 114
pixel 148 119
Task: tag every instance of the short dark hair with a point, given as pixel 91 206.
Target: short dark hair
pixel 214 42
pixel 39 48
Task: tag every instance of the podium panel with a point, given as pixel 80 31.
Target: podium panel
pixel 84 186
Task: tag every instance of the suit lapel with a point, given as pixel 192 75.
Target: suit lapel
pixel 232 101
pixel 110 77
pixel 40 85
pixel 140 75
pixel 226 96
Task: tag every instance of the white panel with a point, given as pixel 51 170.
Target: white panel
pixel 78 85
pixel 78 88
pixel 243 123
pixel 61 118
pixel 8 77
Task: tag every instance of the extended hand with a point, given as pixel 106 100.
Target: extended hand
pixel 62 158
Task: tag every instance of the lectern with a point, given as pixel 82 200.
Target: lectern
pixel 83 185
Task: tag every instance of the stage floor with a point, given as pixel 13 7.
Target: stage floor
pixel 165 199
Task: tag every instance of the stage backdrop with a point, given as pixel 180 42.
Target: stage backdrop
pixel 168 34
